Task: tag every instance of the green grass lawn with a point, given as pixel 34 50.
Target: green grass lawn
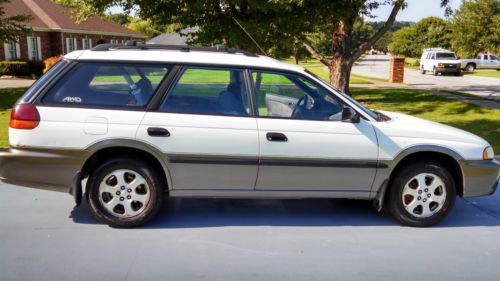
pixel 483 73
pixel 7 98
pixel 479 120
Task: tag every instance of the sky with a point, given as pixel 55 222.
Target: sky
pixel 416 10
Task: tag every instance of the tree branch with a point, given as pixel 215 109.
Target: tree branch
pixel 315 53
pixel 390 20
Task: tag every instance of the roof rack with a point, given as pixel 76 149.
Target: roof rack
pixel 133 45
pixel 436 49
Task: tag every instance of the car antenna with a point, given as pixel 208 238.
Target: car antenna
pixel 250 36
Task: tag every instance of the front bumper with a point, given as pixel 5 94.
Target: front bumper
pixel 480 177
pixel 50 169
pixel 448 69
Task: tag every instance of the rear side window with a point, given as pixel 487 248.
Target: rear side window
pixel 107 85
pixel 213 91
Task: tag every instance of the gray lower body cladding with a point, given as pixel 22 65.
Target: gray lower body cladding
pixel 57 169
pixel 48 169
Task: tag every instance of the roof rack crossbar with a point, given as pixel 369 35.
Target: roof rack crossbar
pixel 182 48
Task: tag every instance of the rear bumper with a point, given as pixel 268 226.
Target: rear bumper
pixel 480 177
pixel 48 169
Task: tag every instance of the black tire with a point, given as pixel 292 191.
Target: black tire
pixel 395 204
pixel 155 188
pixel 459 73
pixel 422 70
pixel 470 67
pixel 435 72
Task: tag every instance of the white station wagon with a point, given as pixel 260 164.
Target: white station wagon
pixel 136 123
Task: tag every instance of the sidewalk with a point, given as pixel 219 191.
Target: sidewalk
pixel 15 83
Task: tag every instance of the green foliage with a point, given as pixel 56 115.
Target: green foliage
pixel 476 27
pixel 119 18
pixel 427 33
pixel 383 43
pixel 21 68
pixel 144 26
pixel 11 27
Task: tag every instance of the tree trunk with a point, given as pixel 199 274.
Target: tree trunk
pixel 340 72
pixel 341 63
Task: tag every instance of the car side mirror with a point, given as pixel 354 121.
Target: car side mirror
pixel 350 115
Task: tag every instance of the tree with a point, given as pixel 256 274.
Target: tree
pixel 10 27
pixel 403 42
pixel 270 22
pixel 119 18
pixel 383 43
pixel 144 26
pixel 427 33
pixel 475 27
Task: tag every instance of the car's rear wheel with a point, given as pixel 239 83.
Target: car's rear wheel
pixel 422 70
pixel 124 192
pixel 421 194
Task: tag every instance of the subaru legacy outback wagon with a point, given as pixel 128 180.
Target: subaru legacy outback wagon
pixel 136 123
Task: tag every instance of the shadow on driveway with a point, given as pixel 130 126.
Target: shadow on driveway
pixel 195 213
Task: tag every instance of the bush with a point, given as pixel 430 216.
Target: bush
pixel 50 62
pixel 21 68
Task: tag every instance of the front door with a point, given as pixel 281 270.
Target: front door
pixel 304 145
pixel 206 129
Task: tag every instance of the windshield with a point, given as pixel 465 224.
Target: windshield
pixel 446 56
pixel 372 114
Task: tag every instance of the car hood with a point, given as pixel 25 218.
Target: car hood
pixel 402 125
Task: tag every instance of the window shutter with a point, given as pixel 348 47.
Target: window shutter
pixel 18 51
pixel 39 48
pixel 90 43
pixel 30 48
pixel 68 49
pixel 74 44
pixel 83 44
pixel 6 50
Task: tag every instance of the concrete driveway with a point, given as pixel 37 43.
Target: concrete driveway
pixel 16 83
pixel 378 66
pixel 42 237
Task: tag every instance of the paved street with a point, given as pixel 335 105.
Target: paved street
pixel 43 238
pixel 15 83
pixel 378 66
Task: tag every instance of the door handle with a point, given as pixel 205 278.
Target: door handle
pixel 276 137
pixel 158 132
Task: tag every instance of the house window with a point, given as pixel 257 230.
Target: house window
pixel 113 41
pixel 70 44
pixel 12 51
pixel 86 43
pixel 34 48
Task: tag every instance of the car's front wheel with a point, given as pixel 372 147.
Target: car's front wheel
pixel 422 70
pixel 124 192
pixel 421 194
pixel 435 71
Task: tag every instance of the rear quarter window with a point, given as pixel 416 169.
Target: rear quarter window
pixel 107 85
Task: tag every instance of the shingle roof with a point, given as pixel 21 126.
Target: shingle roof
pixel 47 14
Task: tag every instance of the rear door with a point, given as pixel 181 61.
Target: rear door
pixel 206 130
pixel 304 145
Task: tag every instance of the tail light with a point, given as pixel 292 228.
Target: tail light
pixel 24 116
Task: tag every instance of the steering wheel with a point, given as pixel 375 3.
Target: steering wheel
pixel 301 106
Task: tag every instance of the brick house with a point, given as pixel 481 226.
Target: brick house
pixel 55 32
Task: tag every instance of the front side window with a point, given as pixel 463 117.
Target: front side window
pixel 210 91
pixel 292 96
pixel 107 84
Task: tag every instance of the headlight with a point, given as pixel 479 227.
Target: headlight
pixel 488 153
pixel 440 65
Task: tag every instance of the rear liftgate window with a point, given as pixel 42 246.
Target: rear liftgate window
pixel 107 85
